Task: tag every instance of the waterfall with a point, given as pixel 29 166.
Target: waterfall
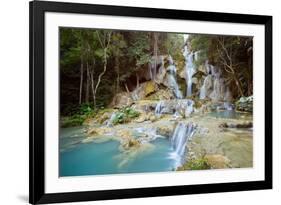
pixel 202 94
pixel 109 122
pixel 227 95
pixel 172 70
pixel 179 140
pixel 206 88
pixel 189 69
pixel 213 85
pixel 218 89
pixel 184 108
pixel 158 108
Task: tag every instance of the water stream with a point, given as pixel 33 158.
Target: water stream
pixel 105 158
pixel 172 70
pixel 189 69
pixel 179 141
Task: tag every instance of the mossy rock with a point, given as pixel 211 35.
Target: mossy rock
pixel 150 87
pixel 166 130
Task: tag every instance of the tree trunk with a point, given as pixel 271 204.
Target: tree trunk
pixel 126 87
pixel 240 90
pixel 100 75
pixel 93 88
pixel 81 81
pixel 138 80
pixel 105 46
pixel 87 84
pixel 117 72
pixel 93 83
pixel 155 54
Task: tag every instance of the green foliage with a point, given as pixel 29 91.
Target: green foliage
pixel 85 109
pixel 76 115
pixel 174 44
pixel 196 164
pixel 199 42
pixel 139 49
pixel 118 44
pixel 72 109
pixel 124 115
pixel 75 120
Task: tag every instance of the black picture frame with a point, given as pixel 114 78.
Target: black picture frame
pixel 37 194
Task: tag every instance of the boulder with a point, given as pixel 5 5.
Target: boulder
pixel 145 89
pixel 217 161
pixel 153 118
pixel 141 118
pixel 98 131
pixel 145 105
pixel 122 99
pixel 161 94
pixel 166 130
pixel 131 144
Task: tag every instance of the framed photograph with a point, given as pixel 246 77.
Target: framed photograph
pixel 141 102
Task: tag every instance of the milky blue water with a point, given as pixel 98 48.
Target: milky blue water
pixel 78 159
pixel 228 114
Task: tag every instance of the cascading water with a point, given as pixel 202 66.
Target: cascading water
pixel 189 69
pixel 177 107
pixel 109 122
pixel 213 85
pixel 202 94
pixel 145 135
pixel 179 140
pixel 159 108
pixel 184 108
pixel 172 70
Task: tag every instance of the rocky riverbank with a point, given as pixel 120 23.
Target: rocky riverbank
pixel 218 141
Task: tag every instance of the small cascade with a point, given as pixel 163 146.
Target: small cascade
pixel 179 140
pixel 184 108
pixel 202 94
pixel 228 106
pixel 180 107
pixel 213 85
pixel 207 86
pixel 215 95
pixel 156 66
pixel 109 122
pixel 159 108
pixel 145 135
pixel 227 95
pixel 189 69
pixel 172 71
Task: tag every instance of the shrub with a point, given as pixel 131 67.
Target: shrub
pixel 196 164
pixel 77 115
pixel 72 121
pixel 124 115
